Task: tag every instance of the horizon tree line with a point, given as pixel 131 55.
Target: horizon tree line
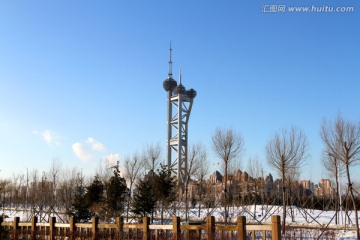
pixel 286 153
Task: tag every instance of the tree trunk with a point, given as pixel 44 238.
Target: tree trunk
pixel 186 200
pixel 337 198
pixel 353 201
pixel 283 195
pixel 255 200
pixel 200 197
pixel 284 205
pixel 225 192
pixel 292 213
pixel 162 213
pixel 128 203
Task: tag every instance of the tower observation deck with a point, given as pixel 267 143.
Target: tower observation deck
pixel 179 104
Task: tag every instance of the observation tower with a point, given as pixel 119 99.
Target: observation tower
pixel 179 104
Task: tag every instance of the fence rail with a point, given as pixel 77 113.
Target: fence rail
pixel 145 231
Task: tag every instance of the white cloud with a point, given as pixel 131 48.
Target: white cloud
pixel 110 162
pixel 111 159
pixel 81 151
pixel 88 149
pixel 95 145
pixel 49 137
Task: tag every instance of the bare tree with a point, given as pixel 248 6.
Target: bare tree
pixel 133 168
pixel 34 191
pixel 196 158
pixel 200 173
pixel 254 166
pixel 151 157
pixel 256 170
pixel 66 186
pixel 227 145
pixel 4 184
pixel 286 152
pixel 335 170
pixel 15 186
pixel 233 185
pixel 342 141
pixel 292 180
pixel 54 175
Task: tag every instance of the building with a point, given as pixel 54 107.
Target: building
pixel 215 178
pixel 324 188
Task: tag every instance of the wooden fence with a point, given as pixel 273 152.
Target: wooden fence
pixel 145 231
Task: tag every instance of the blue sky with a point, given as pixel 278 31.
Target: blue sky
pixel 82 80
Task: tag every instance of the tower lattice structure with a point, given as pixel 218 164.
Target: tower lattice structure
pixel 179 104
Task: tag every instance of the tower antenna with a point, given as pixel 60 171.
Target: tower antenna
pixel 170 62
pixel 179 105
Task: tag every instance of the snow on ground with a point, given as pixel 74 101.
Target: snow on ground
pixel 301 217
pixel 254 214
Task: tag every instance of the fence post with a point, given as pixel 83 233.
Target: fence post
pixel 16 227
pixel 1 220
pixel 52 228
pixel 72 228
pixel 176 228
pixel 210 227
pixel 275 227
pixel 146 230
pixel 187 234
pixel 119 227
pixel 263 235
pixel 241 227
pixel 94 227
pixel 33 228
pixel 198 234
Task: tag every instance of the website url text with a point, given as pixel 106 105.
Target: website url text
pixel 273 8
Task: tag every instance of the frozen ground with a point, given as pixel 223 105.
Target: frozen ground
pixel 259 214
